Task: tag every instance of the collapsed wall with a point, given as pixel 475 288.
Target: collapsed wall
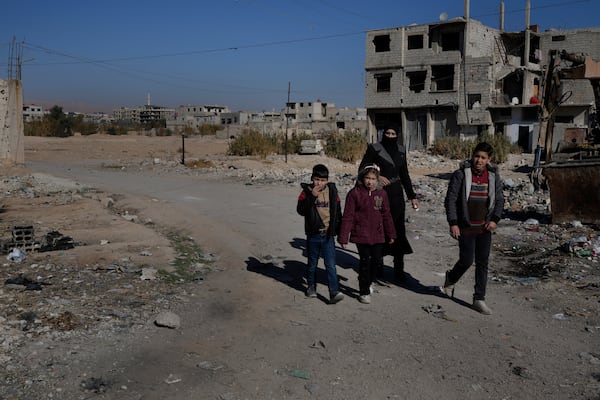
pixel 12 146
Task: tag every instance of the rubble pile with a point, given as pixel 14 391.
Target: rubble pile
pixel 35 185
pixel 47 301
pixel 566 251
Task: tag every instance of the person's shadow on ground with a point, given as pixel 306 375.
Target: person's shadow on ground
pixel 414 285
pixel 343 258
pixel 293 272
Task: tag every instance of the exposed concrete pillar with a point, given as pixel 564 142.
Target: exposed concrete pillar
pixel 404 121
pixel 467 9
pixel 12 143
pixel 501 16
pixel 525 62
pixel 430 129
pixel 371 129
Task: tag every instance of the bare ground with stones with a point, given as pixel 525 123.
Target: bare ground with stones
pixel 88 330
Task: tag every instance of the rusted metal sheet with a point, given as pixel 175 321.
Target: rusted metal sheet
pixel 574 190
pixel 575 135
pixel 592 68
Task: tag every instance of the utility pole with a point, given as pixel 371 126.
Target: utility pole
pixel 287 111
pixel 183 148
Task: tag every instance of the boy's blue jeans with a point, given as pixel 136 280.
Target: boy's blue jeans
pixel 321 245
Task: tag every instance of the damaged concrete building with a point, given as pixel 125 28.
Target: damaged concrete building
pixel 459 77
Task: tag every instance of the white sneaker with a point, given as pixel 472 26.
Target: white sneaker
pixel 364 298
pixel 448 287
pixel 336 298
pixel 371 290
pixel 479 305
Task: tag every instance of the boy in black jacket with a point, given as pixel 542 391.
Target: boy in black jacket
pixel 320 205
pixel 474 204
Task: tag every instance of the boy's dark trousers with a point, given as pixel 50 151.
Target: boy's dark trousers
pixel 473 247
pixel 371 260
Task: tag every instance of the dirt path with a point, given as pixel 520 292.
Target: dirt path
pixel 248 332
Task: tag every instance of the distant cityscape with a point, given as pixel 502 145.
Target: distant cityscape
pixel 303 117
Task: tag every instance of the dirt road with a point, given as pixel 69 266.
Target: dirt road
pixel 248 332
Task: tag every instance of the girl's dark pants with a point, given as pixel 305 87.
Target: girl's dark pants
pixel 371 260
pixel 473 247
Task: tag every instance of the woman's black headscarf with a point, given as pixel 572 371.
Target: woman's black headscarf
pixel 390 144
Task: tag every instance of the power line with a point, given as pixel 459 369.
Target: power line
pixel 138 74
pixel 552 5
pixel 195 52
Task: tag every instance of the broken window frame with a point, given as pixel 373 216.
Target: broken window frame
pixel 442 78
pixel 414 42
pixel 382 43
pixel 384 82
pixel 564 119
pixel 416 80
pixel 473 98
pixel 530 114
pixel 450 41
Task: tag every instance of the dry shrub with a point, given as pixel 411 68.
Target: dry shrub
pixel 209 129
pixel 348 147
pixel 453 147
pixel 252 143
pixel 461 149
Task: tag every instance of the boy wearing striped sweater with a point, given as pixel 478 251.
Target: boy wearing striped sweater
pixel 474 204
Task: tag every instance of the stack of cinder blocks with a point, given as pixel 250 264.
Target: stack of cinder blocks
pixel 23 237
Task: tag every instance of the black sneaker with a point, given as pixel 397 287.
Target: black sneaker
pixel 400 275
pixel 311 292
pixel 336 297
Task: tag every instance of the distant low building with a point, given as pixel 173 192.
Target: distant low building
pixel 193 116
pixel 32 112
pixel 322 118
pixel 98 118
pixel 125 114
pixel 144 115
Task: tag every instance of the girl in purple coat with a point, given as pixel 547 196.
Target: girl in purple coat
pixel 367 222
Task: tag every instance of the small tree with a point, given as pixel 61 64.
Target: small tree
pixel 78 124
pixel 60 124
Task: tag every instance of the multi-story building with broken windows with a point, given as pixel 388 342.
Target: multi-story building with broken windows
pixel 460 77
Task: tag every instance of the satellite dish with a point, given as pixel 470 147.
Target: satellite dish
pixel 443 16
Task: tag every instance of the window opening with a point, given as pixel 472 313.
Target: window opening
pixel 384 82
pixel 450 41
pixel 442 77
pixel 382 43
pixel 416 81
pixel 415 42
pixel 474 101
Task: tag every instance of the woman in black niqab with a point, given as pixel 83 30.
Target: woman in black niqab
pixel 390 156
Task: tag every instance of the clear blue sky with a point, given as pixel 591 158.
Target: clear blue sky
pixel 100 55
